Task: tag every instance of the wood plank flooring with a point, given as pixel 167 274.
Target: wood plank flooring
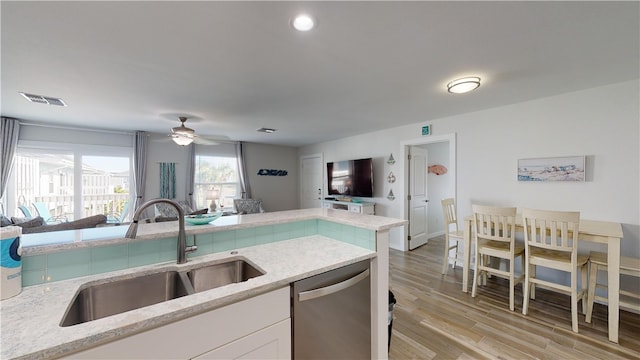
pixel 434 319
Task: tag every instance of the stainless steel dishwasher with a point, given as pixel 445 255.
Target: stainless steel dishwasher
pixel 331 314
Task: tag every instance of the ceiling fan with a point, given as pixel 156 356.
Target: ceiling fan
pixel 184 136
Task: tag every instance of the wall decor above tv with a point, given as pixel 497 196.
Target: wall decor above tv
pixel 350 177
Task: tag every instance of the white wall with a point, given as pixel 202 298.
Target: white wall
pixel 601 123
pixel 277 192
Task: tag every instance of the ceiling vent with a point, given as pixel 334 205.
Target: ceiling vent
pixel 267 130
pixel 43 99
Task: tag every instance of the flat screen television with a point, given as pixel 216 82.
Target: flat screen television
pixel 350 178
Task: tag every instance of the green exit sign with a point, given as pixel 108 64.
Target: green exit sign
pixel 426 130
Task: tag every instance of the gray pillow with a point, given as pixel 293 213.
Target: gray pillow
pixel 5 221
pixel 28 222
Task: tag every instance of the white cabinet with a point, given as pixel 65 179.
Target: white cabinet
pixel 367 208
pixel 273 342
pixel 255 327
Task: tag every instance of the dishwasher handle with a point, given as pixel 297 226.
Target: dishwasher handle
pixel 327 290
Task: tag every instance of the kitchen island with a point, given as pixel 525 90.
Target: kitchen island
pixel 31 321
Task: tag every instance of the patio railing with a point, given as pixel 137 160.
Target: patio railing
pixel 63 206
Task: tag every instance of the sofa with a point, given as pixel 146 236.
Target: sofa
pixel 38 225
pixel 166 212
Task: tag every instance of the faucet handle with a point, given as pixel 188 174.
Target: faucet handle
pixel 193 247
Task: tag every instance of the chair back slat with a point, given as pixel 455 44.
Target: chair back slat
pixel 449 214
pixel 494 223
pixel 552 230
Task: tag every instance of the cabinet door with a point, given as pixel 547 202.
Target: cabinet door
pixel 273 342
pixel 368 209
pixel 355 209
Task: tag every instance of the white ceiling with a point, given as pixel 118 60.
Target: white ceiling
pixel 239 66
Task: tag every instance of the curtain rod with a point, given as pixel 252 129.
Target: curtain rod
pixel 61 127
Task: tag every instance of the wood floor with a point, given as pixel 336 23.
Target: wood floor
pixel 434 319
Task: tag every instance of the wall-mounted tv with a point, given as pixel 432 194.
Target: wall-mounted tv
pixel 350 178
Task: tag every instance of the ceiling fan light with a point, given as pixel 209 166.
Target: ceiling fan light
pixel 181 139
pixel 183 131
pixel 463 85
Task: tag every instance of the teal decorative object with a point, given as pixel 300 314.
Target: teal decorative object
pixel 202 219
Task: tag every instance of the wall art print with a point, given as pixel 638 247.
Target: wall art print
pixel 272 172
pixel 567 168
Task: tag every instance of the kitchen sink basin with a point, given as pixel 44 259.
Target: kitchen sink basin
pixel 216 275
pixel 95 301
pixel 102 300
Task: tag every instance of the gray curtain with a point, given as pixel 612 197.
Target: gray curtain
pixel 242 171
pixel 140 166
pixel 10 132
pixel 191 175
pixel 168 180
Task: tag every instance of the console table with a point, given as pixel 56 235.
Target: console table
pixel 367 208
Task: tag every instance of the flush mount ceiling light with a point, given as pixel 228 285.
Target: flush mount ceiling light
pixel 303 22
pixel 43 99
pixel 463 85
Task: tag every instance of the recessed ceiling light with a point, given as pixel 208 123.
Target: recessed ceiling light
pixel 267 130
pixel 463 85
pixel 303 22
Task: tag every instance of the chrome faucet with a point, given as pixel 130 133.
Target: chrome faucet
pixel 183 249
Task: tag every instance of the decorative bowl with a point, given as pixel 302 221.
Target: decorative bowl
pixel 202 219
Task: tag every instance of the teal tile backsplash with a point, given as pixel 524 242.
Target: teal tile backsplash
pixel 245 237
pixel 264 235
pixel 144 253
pixel 35 263
pixel 68 264
pixel 39 269
pixel 224 241
pixel 109 258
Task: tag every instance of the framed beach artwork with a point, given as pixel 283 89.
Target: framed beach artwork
pixel 567 168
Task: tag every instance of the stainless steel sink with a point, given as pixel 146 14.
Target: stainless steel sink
pixel 216 275
pixel 114 297
pixel 99 300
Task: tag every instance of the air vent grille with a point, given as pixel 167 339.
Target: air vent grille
pixel 43 99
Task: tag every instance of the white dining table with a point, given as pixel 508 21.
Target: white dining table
pixel 602 232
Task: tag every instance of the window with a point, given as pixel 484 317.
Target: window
pixel 216 176
pixel 70 183
pixel 107 185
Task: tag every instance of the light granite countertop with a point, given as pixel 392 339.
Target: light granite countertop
pixel 42 243
pixel 30 321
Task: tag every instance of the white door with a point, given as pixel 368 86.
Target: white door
pixel 418 199
pixel 311 182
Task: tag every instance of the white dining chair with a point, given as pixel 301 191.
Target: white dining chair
pixel 451 233
pixel 628 266
pixel 494 235
pixel 551 241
